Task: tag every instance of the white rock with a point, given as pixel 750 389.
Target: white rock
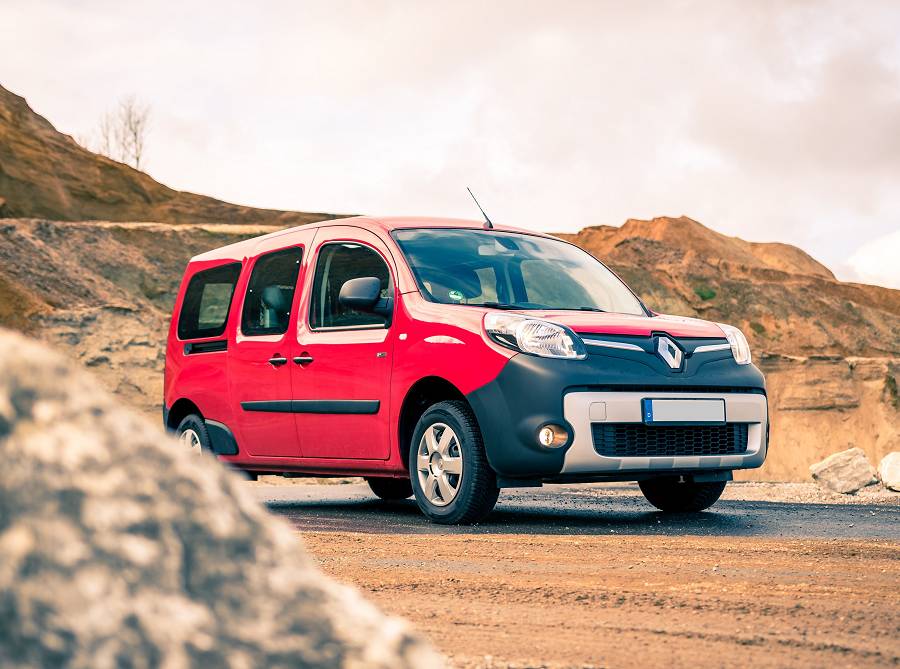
pixel 889 471
pixel 118 549
pixel 844 472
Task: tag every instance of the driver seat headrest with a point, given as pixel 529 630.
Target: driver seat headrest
pixel 277 298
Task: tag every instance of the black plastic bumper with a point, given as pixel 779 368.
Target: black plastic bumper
pixel 528 394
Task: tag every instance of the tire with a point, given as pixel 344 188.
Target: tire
pixel 475 485
pixel 390 489
pixel 196 425
pixel 672 495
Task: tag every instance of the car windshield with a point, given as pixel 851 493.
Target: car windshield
pixel 511 271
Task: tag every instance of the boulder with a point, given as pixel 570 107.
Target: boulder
pixel 844 472
pixel 119 549
pixel 889 471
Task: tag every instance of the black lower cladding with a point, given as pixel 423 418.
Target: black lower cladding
pixel 636 440
pixel 223 441
pixel 528 394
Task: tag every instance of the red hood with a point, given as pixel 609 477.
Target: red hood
pixel 588 322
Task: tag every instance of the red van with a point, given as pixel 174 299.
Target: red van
pixel 448 359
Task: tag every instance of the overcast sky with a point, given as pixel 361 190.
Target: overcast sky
pixel 773 121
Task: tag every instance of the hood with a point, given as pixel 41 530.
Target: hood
pixel 588 322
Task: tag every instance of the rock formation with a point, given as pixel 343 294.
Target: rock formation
pixel 844 472
pixel 119 549
pixel 889 471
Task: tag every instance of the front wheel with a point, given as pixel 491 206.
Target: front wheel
pixel 451 478
pixel 678 495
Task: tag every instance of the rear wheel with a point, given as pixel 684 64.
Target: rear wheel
pixel 390 489
pixel 451 478
pixel 676 494
pixel 192 434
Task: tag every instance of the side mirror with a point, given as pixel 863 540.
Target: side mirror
pixel 362 294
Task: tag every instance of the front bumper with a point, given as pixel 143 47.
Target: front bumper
pixel 531 392
pixel 584 409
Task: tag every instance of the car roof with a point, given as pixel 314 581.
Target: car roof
pixel 386 224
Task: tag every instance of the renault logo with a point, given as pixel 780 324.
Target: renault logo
pixel 669 352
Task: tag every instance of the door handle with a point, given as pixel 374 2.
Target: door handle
pixel 277 360
pixel 304 359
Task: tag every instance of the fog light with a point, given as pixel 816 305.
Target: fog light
pixel 552 436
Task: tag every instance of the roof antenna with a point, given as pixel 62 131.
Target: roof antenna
pixel 487 222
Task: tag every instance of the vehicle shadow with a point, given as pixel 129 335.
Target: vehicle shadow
pixel 619 516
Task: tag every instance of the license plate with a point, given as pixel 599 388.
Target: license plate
pixel 678 411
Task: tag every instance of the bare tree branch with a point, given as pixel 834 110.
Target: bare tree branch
pixel 122 133
pixel 106 136
pixel 133 118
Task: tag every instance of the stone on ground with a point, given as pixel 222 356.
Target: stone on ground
pixel 844 472
pixel 889 471
pixel 119 549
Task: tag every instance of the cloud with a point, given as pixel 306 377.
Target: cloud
pixel 771 121
pixel 877 261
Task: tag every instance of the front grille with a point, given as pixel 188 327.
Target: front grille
pixel 636 440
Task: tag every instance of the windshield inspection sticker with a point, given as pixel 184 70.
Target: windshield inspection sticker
pixel 455 295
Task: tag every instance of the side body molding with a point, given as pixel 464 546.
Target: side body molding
pixel 314 406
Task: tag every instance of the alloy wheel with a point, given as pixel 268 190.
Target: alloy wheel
pixel 191 440
pixel 439 464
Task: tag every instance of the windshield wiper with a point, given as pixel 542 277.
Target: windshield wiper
pixel 499 305
pixel 524 307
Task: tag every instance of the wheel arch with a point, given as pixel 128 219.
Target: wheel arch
pixel 422 394
pixel 181 408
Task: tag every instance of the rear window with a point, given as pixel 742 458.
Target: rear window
pixel 206 302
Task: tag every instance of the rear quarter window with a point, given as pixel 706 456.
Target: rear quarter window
pixel 207 300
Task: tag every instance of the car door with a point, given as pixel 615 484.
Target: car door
pixel 259 367
pixel 343 371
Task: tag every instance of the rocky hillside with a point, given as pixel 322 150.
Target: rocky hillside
pixel 103 289
pixel 46 174
pixel 786 302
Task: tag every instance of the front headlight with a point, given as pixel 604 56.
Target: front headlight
pixel 740 349
pixel 535 336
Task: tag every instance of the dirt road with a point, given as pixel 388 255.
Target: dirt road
pixel 541 584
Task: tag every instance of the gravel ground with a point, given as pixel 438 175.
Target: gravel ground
pixel 807 493
pixel 756 491
pixel 774 575
pixel 795 493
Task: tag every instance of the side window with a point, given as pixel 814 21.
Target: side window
pixel 337 264
pixel 204 311
pixel 270 292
